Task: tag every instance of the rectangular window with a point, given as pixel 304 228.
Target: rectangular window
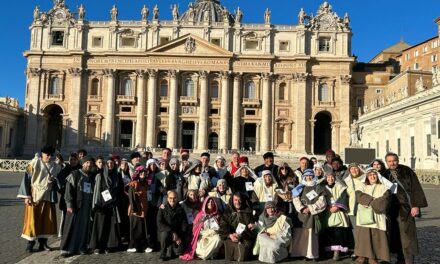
pixel 126 109
pixel 251 45
pixel 378 91
pixel 163 109
pixel 434 58
pixel 250 112
pixel 359 102
pixel 164 40
pixel 216 41
pixel 284 45
pixel 434 44
pixel 97 42
pixel 214 111
pixel 416 66
pixel 407 57
pixel 57 38
pixel 428 145
pixel 412 147
pixel 324 44
pixel 398 147
pixel 416 53
pixel 425 49
pixel 127 42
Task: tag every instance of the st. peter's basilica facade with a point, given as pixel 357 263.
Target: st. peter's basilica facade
pixel 203 80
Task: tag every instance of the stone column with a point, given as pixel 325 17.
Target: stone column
pixel 109 136
pixel 75 107
pixel 140 111
pixel 301 107
pixel 342 96
pixel 152 101
pixel 203 113
pixel 33 109
pixel 266 117
pixel 257 138
pixel 336 133
pixel 224 113
pixel 172 116
pixel 195 136
pixel 236 112
pixel 312 135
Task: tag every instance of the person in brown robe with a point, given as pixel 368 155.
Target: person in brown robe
pixel 407 199
pixel 236 228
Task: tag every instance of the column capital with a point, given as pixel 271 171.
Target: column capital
pixel 301 76
pixel 335 124
pixel 312 122
pixel 203 74
pixel 140 73
pixel 225 74
pixel 152 73
pixel 109 72
pixel 75 71
pixel 238 76
pixel 345 79
pixel 267 76
pixel 35 71
pixel 173 73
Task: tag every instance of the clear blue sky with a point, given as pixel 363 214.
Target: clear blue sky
pixel 376 24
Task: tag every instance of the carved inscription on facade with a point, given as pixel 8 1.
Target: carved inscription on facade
pixel 188 110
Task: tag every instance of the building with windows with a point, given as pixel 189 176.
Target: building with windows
pixel 203 79
pixel 11 124
pixel 402 105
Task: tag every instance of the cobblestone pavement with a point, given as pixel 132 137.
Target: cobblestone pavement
pixel 12 246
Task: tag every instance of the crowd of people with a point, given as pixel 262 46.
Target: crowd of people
pixel 186 208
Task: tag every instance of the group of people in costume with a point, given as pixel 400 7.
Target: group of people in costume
pixel 185 208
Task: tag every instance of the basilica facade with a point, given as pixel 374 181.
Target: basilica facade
pixel 203 79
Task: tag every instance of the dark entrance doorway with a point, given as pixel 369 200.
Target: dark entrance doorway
pixel 322 133
pixel 213 141
pixel 188 135
pixel 54 126
pixel 250 136
pixel 126 133
pixel 162 139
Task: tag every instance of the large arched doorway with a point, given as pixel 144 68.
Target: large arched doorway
pixel 162 139
pixel 188 129
pixel 250 136
pixel 323 133
pixel 213 141
pixel 53 114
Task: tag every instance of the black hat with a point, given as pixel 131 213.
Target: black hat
pixel 205 154
pixel 135 155
pixel 87 158
pixel 268 155
pixel 48 150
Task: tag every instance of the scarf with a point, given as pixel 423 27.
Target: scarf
pixel 198 226
pixel 268 221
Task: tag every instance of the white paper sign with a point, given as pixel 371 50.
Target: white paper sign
pixel 87 188
pixel 240 228
pixel 106 195
pixel 249 186
pixel 269 198
pixel 311 195
pixel 393 188
pixel 213 224
pixel 190 218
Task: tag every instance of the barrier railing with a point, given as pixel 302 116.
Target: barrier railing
pixel 13 165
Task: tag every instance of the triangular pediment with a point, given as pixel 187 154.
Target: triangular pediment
pixel 190 45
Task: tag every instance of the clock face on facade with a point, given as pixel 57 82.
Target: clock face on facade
pixel 327 22
pixel 59 15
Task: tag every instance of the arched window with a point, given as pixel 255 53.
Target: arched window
pixel 250 90
pixel 55 87
pixel 164 88
pixel 188 89
pixel 323 93
pixel 126 87
pixel 214 89
pixel 95 87
pixel 282 92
